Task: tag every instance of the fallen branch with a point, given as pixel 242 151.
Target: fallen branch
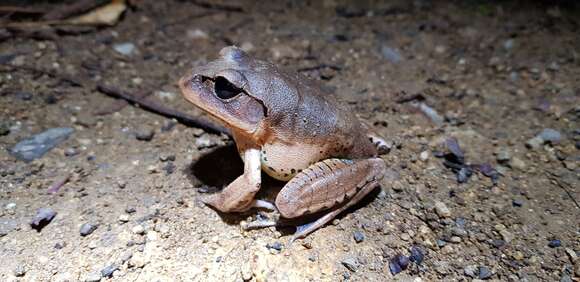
pixel 164 111
pixel 217 6
pixel 59 182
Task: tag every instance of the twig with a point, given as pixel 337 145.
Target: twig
pixel 59 182
pixel 217 6
pixel 164 111
pixel 65 11
pixel 320 66
pixel 554 178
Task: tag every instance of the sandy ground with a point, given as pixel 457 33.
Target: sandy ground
pixel 496 74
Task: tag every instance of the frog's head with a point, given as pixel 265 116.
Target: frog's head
pixel 222 89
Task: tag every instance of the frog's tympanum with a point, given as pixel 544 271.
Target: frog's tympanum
pixel 287 126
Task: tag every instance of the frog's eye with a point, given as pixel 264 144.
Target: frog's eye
pixel 224 89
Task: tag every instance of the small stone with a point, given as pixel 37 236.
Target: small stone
pixel 518 164
pixel 555 243
pixel 455 239
pixel 424 156
pixel 137 260
pixel 42 218
pixel 107 272
pixel 87 229
pixel 275 246
pixel 130 209
pixel 534 143
pixel 351 263
pixel 484 273
pixel 197 34
pixel 358 236
pixel 549 135
pixel 417 255
pixel 166 158
pixel 138 229
pixel 442 210
pixel 204 141
pixel 124 218
pixel 508 44
pixel 503 156
pixel 121 184
pixel 144 134
pixel 471 271
pixel 69 152
pixel 37 145
pixel 246 272
pixel 506 235
pixel 391 54
pixel 19 270
pixel 517 202
pixel 94 276
pixel 126 48
pixel 4 128
pixel 282 51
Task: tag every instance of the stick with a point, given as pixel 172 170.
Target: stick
pixel 164 111
pixel 59 182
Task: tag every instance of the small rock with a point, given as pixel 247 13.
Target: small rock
pixel 126 48
pixel 518 164
pixel 69 152
pixel 167 158
pixel 4 128
pixel 275 246
pixel 534 143
pixel 144 134
pixel 471 271
pixel 94 276
pixel 107 272
pixel 204 141
pixel 281 51
pixel 549 135
pixel 358 236
pixel 137 260
pixel 37 145
pixel 166 95
pixel 442 210
pixel 503 156
pixel 130 209
pixel 20 270
pixel 417 255
pixel 484 273
pixel 124 218
pixel 351 263
pixel 391 54
pixel 138 229
pixel 246 272
pixel 508 44
pixel 464 174
pixel 399 260
pixel 517 203
pixel 87 229
pixel 197 34
pixel 424 156
pixel 506 235
pixel 42 218
pixel 555 243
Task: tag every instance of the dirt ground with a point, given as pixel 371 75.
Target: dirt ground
pixel 492 75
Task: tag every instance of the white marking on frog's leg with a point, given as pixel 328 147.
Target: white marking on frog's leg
pixel 264 205
pixel 238 196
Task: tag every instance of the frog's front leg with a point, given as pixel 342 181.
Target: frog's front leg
pixel 332 183
pixel 238 196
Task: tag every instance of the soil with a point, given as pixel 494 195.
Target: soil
pixel 491 74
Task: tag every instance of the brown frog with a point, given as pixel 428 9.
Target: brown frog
pixel 287 126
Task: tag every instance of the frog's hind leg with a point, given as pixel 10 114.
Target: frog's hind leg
pixel 332 183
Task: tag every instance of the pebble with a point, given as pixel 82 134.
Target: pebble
pixel 398 263
pixel 484 273
pixel 87 229
pixel 281 51
pixel 4 128
pixel 37 145
pixel 442 210
pixel 518 164
pixel 517 203
pixel 166 158
pixel 506 235
pixel 424 156
pixel 549 135
pixel 417 255
pixel 94 276
pixel 42 218
pixel 503 156
pixel 555 243
pixel 69 152
pixel 144 134
pixel 124 218
pixel 471 271
pixel 19 270
pixel 246 272
pixel 197 34
pixel 391 54
pixel 274 246
pixel 126 48
pixel 351 263
pixel 358 236
pixel 204 141
pixel 534 143
pixel 138 229
pixel 107 272
pixel 137 260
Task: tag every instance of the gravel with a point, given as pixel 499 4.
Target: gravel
pixel 358 236
pixel 87 229
pixel 42 218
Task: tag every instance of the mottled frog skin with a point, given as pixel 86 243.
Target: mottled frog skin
pixel 285 125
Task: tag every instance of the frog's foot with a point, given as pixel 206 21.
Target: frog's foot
pixel 332 183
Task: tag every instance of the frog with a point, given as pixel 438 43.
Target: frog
pixel 293 129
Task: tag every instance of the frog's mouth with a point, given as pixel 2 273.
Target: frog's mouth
pixel 224 101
